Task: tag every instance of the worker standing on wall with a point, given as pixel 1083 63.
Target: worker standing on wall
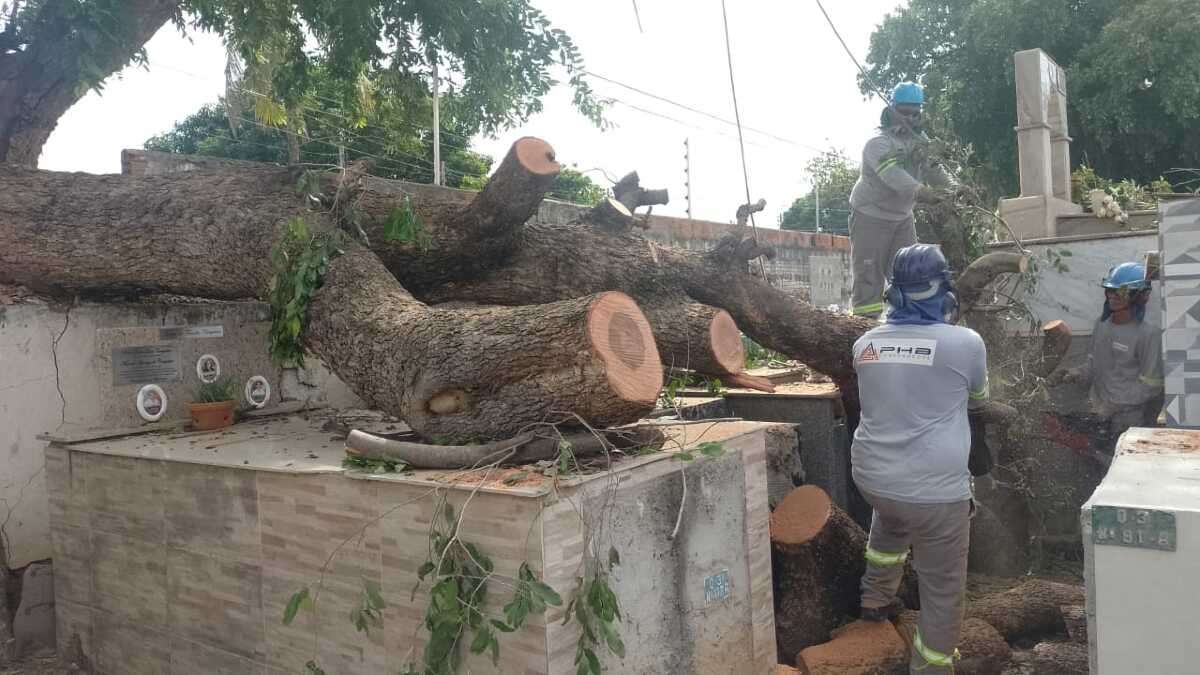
pixel 1124 365
pixel 917 375
pixel 881 203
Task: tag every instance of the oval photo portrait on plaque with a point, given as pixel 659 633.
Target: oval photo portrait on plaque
pixel 208 368
pixel 151 402
pixel 258 391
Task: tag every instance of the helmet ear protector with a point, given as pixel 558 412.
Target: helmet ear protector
pixel 896 296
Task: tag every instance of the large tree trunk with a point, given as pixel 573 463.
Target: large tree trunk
pixel 41 74
pixel 817 564
pixel 210 233
pixel 454 375
pixel 1031 610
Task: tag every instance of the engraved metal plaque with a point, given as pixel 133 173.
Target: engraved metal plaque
pixel 716 587
pixel 145 364
pixel 1136 528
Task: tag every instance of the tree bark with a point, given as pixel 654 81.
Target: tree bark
pixel 974 280
pixel 42 80
pixel 1056 342
pixel 460 375
pixel 817 564
pixel 697 337
pixel 1031 610
pixel 1060 658
pixel 859 648
pixel 983 649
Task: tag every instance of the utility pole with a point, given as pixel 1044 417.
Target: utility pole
pixel 687 176
pixel 817 189
pixel 437 129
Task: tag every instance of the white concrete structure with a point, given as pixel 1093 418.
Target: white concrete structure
pixel 1141 536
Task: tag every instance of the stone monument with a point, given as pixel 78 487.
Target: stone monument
pixel 1043 145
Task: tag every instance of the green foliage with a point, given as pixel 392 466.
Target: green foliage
pixel 709 449
pixel 371 465
pixel 680 380
pixel 595 608
pixel 369 611
pixel 299 262
pixel 224 389
pixel 834 174
pixel 758 356
pixel 572 186
pixel 459 572
pixel 962 52
pixel 404 225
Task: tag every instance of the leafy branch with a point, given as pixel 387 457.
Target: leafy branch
pixel 299 262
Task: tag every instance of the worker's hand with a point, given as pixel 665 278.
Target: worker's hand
pixel 928 195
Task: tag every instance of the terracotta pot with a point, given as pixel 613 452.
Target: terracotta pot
pixel 208 416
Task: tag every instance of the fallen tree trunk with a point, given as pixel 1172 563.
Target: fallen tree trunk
pixel 481 373
pixel 1031 610
pixel 817 564
pixel 697 337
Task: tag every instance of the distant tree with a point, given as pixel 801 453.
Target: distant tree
pixel 835 174
pixel 390 131
pixel 1134 98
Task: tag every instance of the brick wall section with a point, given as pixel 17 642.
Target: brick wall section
pixel 797 254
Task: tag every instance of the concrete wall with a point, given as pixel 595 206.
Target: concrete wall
pixel 67 388
pixel 797 253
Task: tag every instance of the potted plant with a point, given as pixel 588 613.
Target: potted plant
pixel 214 404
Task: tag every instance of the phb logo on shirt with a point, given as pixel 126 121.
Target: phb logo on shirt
pixel 907 352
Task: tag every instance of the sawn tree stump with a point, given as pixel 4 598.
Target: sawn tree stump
pixel 817 557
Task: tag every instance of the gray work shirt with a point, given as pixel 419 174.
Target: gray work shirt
pixel 889 177
pixel 914 383
pixel 1125 364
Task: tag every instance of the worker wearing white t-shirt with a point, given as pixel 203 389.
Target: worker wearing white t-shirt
pixel 917 375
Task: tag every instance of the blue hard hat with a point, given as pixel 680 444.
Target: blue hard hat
pixel 908 92
pixel 1129 275
pixel 919 263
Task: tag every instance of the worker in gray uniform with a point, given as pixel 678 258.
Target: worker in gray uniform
pixel 1124 365
pixel 917 375
pixel 881 203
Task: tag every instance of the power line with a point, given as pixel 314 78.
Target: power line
pixel 698 111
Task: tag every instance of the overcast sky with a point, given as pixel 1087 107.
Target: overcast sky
pixel 793 78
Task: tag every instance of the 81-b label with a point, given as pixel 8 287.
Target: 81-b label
pixel 1136 528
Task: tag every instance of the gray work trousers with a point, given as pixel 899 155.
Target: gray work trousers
pixel 873 244
pixel 939 535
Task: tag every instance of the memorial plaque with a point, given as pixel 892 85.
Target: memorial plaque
pixel 190 332
pixel 145 364
pixel 1136 528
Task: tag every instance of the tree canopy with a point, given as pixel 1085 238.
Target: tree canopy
pixel 834 174
pixel 496 57
pixel 1134 97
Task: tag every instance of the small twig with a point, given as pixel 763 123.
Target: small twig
pixel 682 502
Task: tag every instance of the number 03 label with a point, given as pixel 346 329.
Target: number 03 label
pixel 1137 528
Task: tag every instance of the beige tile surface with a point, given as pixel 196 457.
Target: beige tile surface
pixel 129 578
pixel 216 602
pixel 73 557
pixel 125 496
pixel 212 510
pixel 194 658
pixel 124 648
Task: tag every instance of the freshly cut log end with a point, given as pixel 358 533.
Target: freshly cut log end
pixel 817 565
pixel 800 516
pixel 696 337
pixel 621 337
pixel 728 350
pixel 536 156
pixel 611 215
pixel 976 277
pixel 748 381
pixel 859 648
pixel 1056 341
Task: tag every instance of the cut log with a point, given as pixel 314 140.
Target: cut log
pixel 1059 658
pixel 1056 341
pixel 629 192
pixel 480 373
pixel 611 215
pixel 691 336
pixel 983 649
pixel 1031 610
pixel 975 279
pixel 1075 616
pixel 514 192
pixel 818 565
pixel 859 648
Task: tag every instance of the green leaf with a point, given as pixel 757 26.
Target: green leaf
pixel 613 639
pixel 483 638
pixel 711 449
pixel 592 660
pixel 547 595
pixel 495 645
pixel 686 456
pixel 293 605
pixel 513 479
pixel 374 595
pixel 502 627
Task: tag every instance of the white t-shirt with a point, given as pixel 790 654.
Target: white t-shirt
pixel 914 383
